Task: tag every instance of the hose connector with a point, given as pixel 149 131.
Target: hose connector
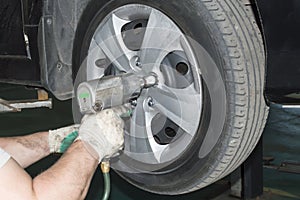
pixel 105 167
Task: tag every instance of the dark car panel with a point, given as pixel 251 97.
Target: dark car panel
pixel 19 62
pixel 281 26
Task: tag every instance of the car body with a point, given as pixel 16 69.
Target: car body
pixel 45 59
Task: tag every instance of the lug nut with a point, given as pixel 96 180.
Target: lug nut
pixel 133 102
pixel 137 62
pixel 150 80
pixel 98 106
pixel 150 102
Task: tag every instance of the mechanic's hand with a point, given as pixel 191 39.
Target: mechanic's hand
pixel 60 139
pixel 102 133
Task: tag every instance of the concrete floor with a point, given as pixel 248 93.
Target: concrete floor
pixel 281 140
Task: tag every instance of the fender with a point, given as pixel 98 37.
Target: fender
pixel 56 37
pixel 280 23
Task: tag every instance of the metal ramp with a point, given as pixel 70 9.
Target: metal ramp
pixel 43 101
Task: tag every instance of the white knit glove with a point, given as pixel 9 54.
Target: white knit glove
pixel 60 139
pixel 102 133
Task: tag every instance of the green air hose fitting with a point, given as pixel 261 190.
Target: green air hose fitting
pixel 105 170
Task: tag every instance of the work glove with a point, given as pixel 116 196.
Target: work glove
pixel 102 133
pixel 60 139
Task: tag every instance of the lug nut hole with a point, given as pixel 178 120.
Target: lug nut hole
pixel 182 68
pixel 170 132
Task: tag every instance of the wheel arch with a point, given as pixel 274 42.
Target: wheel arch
pixel 56 37
pixel 279 24
pixel 256 10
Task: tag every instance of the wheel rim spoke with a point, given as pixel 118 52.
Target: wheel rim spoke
pixel 95 53
pixel 178 105
pixel 108 37
pixel 156 148
pixel 153 43
pixel 161 37
pixel 142 139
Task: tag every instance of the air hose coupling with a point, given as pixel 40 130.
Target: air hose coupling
pixel 105 167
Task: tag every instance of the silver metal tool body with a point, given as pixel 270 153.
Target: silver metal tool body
pixel 96 95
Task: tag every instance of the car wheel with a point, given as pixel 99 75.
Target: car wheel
pixel 207 112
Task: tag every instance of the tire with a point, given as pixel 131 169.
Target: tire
pixel 231 120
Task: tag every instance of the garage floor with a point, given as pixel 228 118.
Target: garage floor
pixel 281 141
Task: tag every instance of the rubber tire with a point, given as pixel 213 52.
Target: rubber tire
pixel 229 33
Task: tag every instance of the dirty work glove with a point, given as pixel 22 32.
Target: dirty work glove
pixel 102 133
pixel 60 139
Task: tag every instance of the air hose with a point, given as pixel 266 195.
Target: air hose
pixel 105 170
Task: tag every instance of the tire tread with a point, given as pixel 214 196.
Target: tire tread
pixel 235 20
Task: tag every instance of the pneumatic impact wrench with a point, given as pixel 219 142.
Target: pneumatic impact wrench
pixel 112 92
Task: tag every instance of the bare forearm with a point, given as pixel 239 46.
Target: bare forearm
pixel 26 150
pixel 69 178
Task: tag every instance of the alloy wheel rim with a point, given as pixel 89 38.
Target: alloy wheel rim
pixel 140 39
